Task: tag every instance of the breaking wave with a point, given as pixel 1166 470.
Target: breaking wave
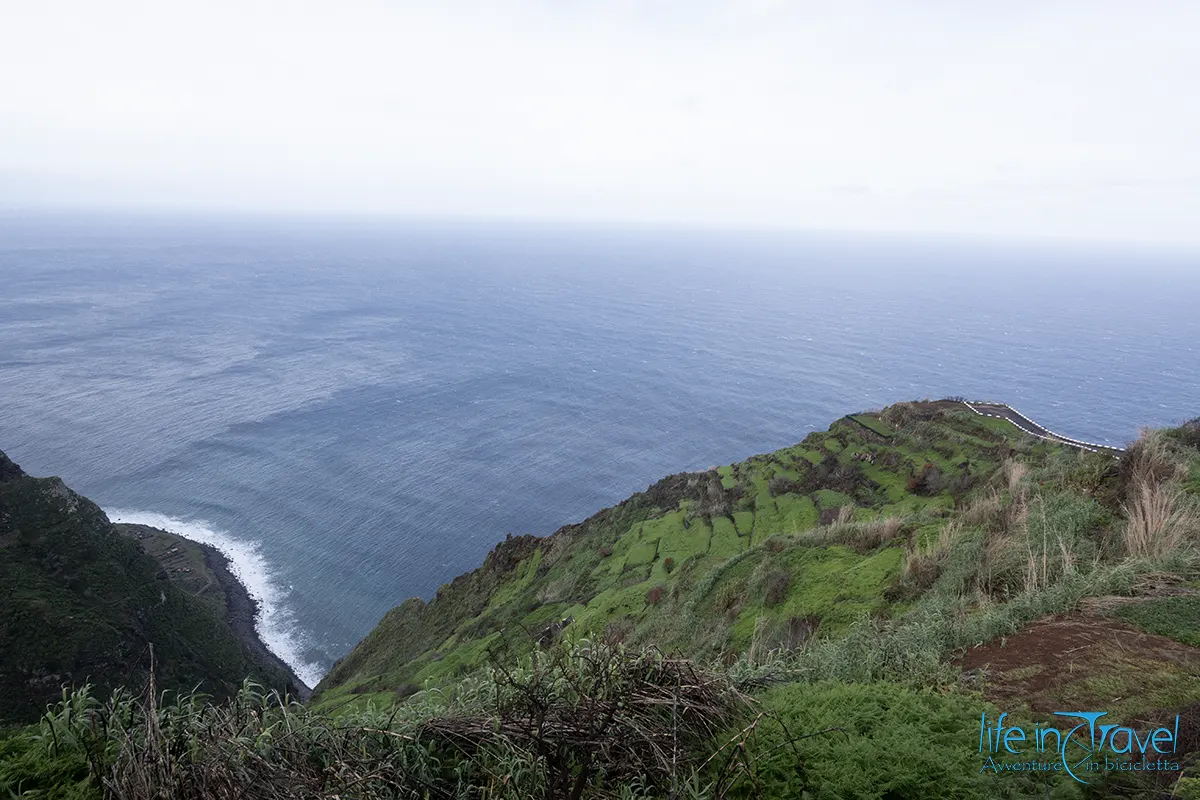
pixel 275 624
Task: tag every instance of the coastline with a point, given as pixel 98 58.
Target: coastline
pixel 240 608
pixel 241 612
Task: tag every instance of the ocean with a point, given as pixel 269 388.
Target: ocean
pixel 357 411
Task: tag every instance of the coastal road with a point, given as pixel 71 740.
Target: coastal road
pixel 1023 422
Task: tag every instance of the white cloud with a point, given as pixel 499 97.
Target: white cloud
pixel 1069 118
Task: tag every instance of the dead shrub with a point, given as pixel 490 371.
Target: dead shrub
pixel 730 599
pixel 828 516
pixel 799 630
pixel 405 690
pixel 928 482
pixel 598 713
pixel 781 485
pixel 618 631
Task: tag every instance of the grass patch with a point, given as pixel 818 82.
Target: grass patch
pixel 728 480
pixel 795 513
pixel 1177 618
pixel 725 540
pixel 874 423
pixel 827 498
pixel 831 583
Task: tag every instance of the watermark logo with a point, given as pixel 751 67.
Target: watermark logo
pixel 1081 746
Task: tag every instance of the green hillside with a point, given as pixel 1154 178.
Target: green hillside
pixel 805 542
pixel 837 619
pixel 80 603
pixel 899 550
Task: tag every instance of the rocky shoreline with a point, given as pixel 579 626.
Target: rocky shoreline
pixel 241 611
pixel 181 559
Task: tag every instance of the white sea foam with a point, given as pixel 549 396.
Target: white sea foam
pixel 275 624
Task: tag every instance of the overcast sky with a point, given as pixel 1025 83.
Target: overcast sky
pixel 1021 118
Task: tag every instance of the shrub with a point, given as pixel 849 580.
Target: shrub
pixel 961 482
pixel 655 595
pixel 1188 433
pixel 668 565
pixel 871 741
pixel 406 690
pixel 927 482
pixel 729 599
pixel 777 585
pixel 28 768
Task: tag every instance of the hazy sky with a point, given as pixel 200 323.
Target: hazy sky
pixel 1028 117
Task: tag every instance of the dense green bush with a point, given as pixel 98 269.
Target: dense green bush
pixel 887 741
pixel 32 769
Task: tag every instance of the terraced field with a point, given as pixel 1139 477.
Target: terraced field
pixel 688 563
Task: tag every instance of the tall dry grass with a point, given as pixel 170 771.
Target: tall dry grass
pixel 862 537
pixel 1004 521
pixel 570 722
pixel 923 560
pixel 1014 472
pixel 1161 518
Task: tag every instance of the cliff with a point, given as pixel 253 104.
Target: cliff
pixel 81 603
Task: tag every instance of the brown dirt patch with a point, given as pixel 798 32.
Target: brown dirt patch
pixel 1085 659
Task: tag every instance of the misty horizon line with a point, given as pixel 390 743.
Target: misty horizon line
pixel 535 223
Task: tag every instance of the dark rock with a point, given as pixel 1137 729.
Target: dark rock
pixel 8 470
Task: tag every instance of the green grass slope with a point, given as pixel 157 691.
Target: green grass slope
pixel 765 553
pixel 81 603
